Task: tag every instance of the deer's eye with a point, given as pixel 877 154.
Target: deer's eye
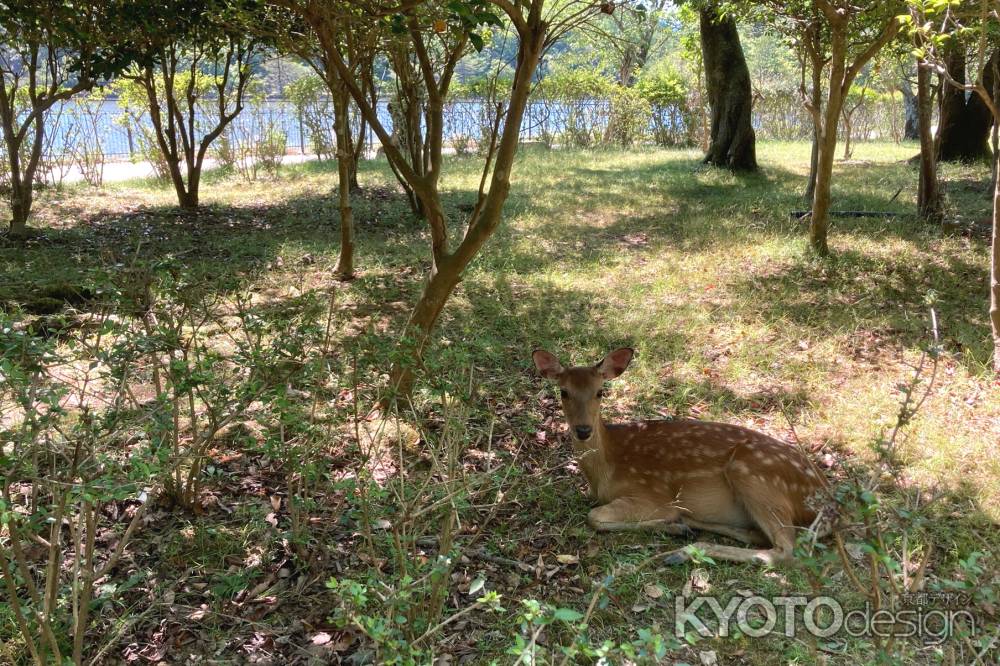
pixel 563 393
pixel 600 394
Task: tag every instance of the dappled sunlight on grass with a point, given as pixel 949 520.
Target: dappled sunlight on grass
pixel 702 271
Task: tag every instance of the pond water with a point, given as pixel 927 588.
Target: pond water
pixel 72 123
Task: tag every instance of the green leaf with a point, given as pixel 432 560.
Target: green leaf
pixel 567 615
pixel 477 41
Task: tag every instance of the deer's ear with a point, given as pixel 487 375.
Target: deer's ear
pixel 547 364
pixel 615 363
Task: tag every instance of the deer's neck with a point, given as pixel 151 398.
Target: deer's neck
pixel 593 460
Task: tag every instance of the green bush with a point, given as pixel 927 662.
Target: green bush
pixel 671 115
pixel 628 119
pixel 314 108
pixel 575 84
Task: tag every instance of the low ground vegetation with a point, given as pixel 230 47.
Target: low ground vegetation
pixel 201 380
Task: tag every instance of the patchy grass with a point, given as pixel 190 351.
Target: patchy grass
pixel 703 272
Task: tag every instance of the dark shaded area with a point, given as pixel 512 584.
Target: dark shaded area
pixel 964 134
pixel 890 296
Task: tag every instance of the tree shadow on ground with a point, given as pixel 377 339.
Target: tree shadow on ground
pixel 227 247
pixel 888 295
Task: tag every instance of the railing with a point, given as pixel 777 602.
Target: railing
pixel 554 122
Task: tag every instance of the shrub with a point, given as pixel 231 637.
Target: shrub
pixel 87 151
pixel 667 95
pixel 629 118
pixel 271 149
pixel 314 108
pixel 134 103
pixel 575 107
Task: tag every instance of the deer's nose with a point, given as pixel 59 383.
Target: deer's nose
pixel 583 432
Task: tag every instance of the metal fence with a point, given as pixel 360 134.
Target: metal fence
pixel 116 128
pixel 466 122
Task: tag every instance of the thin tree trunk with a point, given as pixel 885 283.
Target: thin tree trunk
pixel 345 160
pixel 911 127
pixel 995 279
pixel 817 104
pixel 848 151
pixel 728 81
pixel 22 177
pixel 841 78
pixel 928 200
pixel 447 270
pixel 820 219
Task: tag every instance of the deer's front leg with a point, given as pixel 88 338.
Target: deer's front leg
pixel 624 514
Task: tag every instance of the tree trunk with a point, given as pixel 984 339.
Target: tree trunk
pixel 20 207
pixel 965 118
pixel 190 201
pixel 928 199
pixel 911 129
pixel 186 198
pixel 848 129
pixel 445 276
pixel 820 219
pixel 446 271
pixel 728 81
pixel 995 279
pixel 22 175
pixel 817 104
pixel 345 160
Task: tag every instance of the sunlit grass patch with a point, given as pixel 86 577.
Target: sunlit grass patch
pixel 703 272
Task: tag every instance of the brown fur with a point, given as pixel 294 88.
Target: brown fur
pixel 685 474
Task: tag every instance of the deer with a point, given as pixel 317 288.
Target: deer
pixel 681 475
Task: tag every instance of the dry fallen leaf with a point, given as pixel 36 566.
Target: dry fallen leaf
pixel 653 591
pixel 697 582
pixel 568 559
pixel 275 502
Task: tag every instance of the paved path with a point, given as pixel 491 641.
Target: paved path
pixel 119 170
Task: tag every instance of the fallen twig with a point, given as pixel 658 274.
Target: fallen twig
pixel 802 215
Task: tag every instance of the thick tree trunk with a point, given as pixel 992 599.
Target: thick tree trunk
pixel 964 134
pixel 728 81
pixel 190 202
pixel 20 207
pixel 187 196
pixel 928 199
pixel 345 161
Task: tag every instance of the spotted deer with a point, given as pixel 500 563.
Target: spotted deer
pixel 683 474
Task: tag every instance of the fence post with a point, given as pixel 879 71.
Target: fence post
pixel 302 135
pixel 131 145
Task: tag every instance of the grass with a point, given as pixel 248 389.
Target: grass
pixel 703 272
